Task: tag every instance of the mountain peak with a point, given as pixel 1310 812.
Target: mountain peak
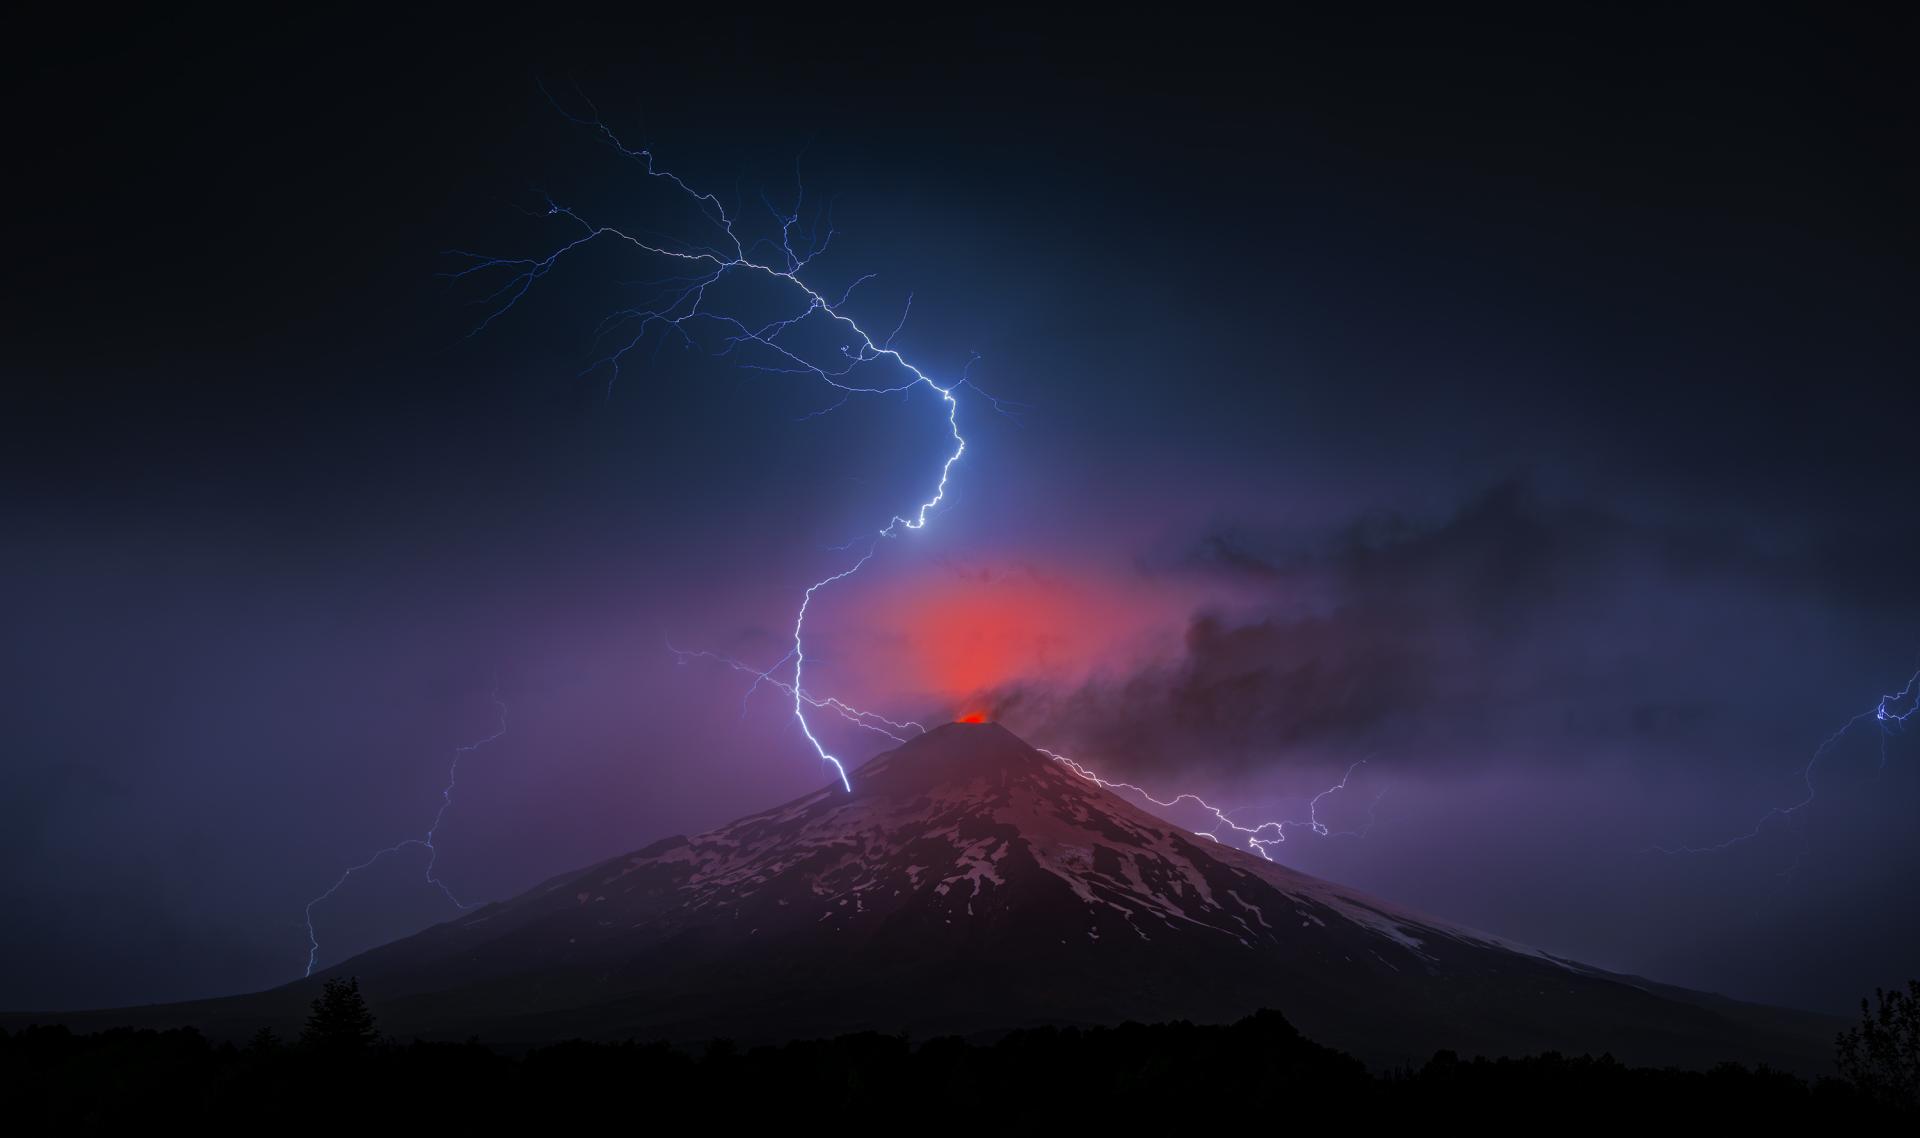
pixel 968 729
pixel 949 753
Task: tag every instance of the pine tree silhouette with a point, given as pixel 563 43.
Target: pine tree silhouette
pixel 340 1023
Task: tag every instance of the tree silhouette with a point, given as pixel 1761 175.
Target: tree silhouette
pixel 340 1023
pixel 1882 1055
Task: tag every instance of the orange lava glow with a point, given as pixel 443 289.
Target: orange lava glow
pixel 973 717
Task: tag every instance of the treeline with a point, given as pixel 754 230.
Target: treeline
pixel 1256 1072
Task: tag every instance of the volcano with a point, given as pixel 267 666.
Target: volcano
pixel 970 884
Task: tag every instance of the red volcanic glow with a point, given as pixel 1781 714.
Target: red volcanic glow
pixel 960 633
pixel 958 636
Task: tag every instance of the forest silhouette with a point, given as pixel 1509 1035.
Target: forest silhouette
pixel 342 1073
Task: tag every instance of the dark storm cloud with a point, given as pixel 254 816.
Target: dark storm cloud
pixel 1516 629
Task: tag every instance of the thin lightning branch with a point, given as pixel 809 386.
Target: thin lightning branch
pixel 425 842
pixel 894 729
pixel 1260 836
pixel 1888 719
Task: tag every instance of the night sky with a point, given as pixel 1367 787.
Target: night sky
pixel 1524 407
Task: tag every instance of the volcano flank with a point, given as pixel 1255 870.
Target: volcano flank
pixel 970 884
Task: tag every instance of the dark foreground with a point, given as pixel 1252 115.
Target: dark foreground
pixel 1259 1070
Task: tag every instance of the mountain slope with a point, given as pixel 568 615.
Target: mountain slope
pixel 969 883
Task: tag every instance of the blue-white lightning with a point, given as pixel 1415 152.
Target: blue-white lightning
pixel 683 302
pixel 1889 716
pixel 424 842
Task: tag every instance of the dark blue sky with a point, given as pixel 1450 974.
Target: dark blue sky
pixel 1524 405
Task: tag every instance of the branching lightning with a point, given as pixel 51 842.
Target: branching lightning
pixel 424 842
pixel 1888 719
pixel 684 304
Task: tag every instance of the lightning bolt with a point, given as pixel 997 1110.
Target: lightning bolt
pixel 683 304
pixel 1888 720
pixel 424 842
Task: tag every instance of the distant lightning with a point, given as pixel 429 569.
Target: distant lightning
pixel 425 842
pixel 1888 719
